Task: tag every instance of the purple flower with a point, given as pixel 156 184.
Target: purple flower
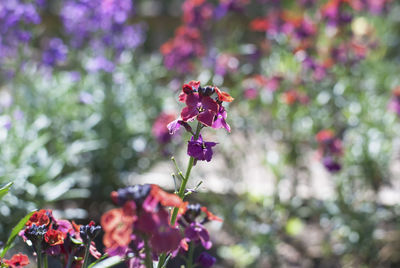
pixel 197 233
pixel 206 260
pixel 100 63
pixel 102 24
pixel 55 52
pixel 331 165
pixel 85 98
pixel 200 149
pixel 220 121
pixel 15 16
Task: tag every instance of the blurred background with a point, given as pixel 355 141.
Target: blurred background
pixel 308 176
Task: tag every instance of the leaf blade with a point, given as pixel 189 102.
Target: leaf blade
pixel 4 190
pixel 20 225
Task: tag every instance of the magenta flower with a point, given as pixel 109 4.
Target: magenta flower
pixel 200 149
pixel 220 120
pixel 331 165
pixel 197 233
pixel 200 106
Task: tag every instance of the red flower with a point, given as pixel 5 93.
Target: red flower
pixel 189 88
pixel 54 237
pixel 324 135
pixel 39 218
pixel 18 260
pixel 259 24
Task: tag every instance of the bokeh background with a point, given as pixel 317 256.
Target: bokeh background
pixel 87 88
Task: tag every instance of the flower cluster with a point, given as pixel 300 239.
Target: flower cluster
pixel 294 96
pixel 141 222
pixel 55 52
pixel 299 27
pixel 101 23
pixel 16 18
pixel 330 149
pixel 207 111
pixel 60 238
pixel 191 218
pixel 18 260
pixel 336 13
pixel 182 49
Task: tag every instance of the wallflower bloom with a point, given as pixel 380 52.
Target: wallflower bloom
pixel 330 149
pixel 394 104
pixel 206 260
pixel 55 52
pixel 196 13
pixel 18 260
pixel 203 108
pixel 200 149
pixel 182 49
pixel 196 232
pixel 142 216
pixel 159 130
pixel 41 217
pixel 54 237
pixel 293 96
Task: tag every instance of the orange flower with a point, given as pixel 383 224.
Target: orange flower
pixel 223 96
pixel 117 227
pixel 18 260
pixel 324 135
pixel 166 199
pixel 211 216
pixel 54 237
pixel 39 218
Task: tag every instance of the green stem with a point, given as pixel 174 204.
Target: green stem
pixel 148 260
pixel 39 258
pixel 163 260
pixel 70 259
pixel 185 180
pixel 86 258
pixel 45 261
pixel 189 261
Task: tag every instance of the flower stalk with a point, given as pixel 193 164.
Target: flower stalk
pixel 185 180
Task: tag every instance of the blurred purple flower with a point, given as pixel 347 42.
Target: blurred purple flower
pixel 15 16
pixel 331 165
pixel 55 52
pixel 100 63
pixel 102 24
pixel 85 98
pixel 206 260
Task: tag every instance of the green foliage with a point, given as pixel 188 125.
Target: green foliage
pixel 14 233
pixel 4 190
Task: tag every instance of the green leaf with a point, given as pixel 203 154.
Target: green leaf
pixel 98 260
pixel 76 241
pixel 14 233
pixel 109 262
pixel 4 190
